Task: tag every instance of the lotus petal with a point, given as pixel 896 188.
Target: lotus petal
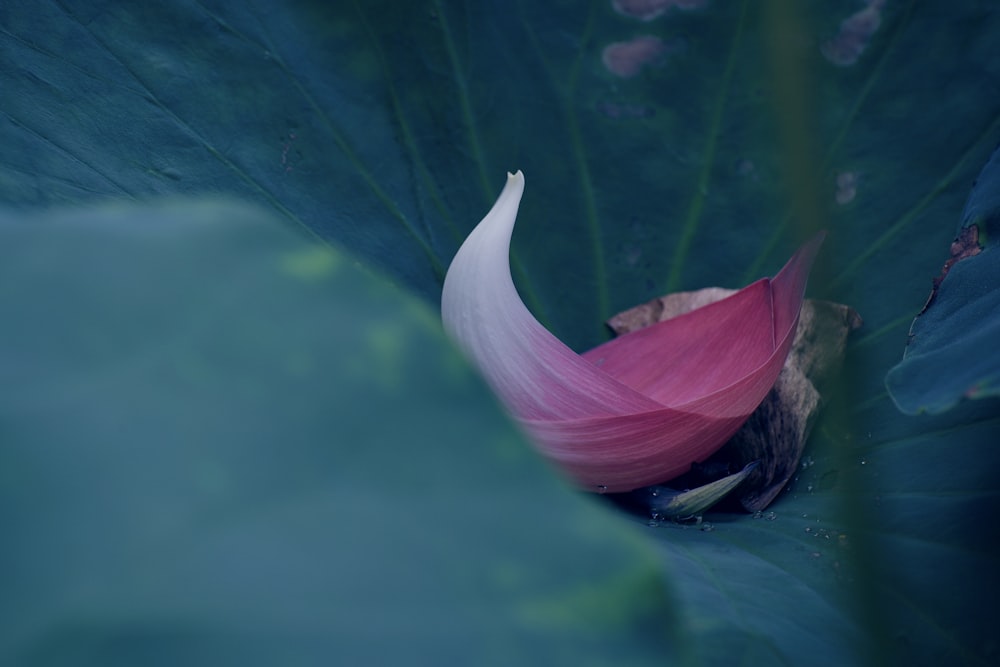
pixel 641 408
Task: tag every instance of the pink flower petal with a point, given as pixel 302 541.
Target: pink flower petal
pixel 711 348
pixel 625 452
pixel 705 350
pixel 534 373
pixel 643 407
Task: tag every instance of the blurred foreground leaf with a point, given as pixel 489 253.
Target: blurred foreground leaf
pixel 223 444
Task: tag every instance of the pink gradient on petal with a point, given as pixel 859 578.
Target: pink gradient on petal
pixel 710 367
pixel 686 357
pixel 532 371
pixel 690 357
pixel 789 285
pixel 617 454
pixel 639 409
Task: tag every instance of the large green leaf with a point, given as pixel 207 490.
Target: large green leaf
pixel 225 445
pixel 385 127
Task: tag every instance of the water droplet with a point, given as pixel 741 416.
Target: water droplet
pixel 653 523
pixel 809 530
pixel 770 516
pixel 707 527
pixel 864 462
pixel 602 488
pixel 758 514
pixel 809 488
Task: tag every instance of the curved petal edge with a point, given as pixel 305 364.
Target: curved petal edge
pixel 643 407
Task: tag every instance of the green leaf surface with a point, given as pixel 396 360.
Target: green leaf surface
pixel 951 354
pixel 385 128
pixel 216 452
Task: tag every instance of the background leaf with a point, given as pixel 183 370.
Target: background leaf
pixel 949 354
pixel 385 128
